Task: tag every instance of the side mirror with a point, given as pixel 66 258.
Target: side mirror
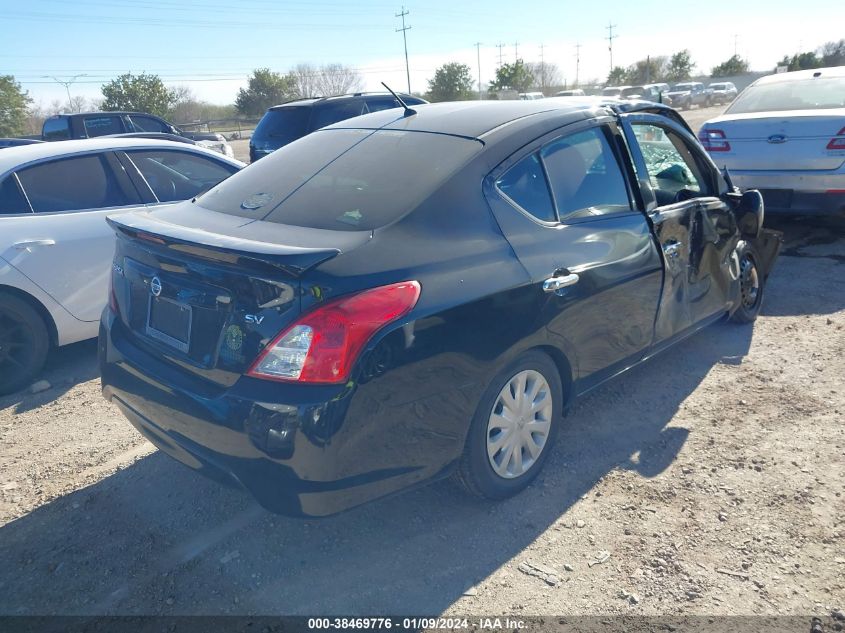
pixel 750 213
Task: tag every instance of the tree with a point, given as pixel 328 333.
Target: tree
pixel 617 76
pixel 646 71
pixel 265 89
pixel 13 104
pixel 337 79
pixel 801 61
pixel 680 66
pixel 452 82
pixel 514 76
pixel 833 53
pixel 733 66
pixel 139 93
pixel 546 75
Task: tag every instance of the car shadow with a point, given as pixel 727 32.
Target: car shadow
pixel 66 367
pixel 158 538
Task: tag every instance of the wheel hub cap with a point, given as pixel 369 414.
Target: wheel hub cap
pixel 518 426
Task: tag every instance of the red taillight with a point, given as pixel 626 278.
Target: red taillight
pixel 322 345
pixel 713 140
pixel 838 141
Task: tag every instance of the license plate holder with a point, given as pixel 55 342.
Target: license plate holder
pixel 169 321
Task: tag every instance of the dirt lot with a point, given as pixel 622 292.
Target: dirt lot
pixel 709 481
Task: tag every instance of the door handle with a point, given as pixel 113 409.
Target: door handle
pixel 672 250
pixel 553 284
pixel 28 244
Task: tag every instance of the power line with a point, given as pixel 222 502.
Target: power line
pixel 610 38
pixel 404 30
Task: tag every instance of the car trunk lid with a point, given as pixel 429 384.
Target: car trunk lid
pixel 206 301
pixel 786 140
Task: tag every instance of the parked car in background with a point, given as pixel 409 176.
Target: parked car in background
pixel 62 127
pixel 55 245
pixel 283 124
pixel 683 96
pixel 613 91
pixel 341 321
pixel 531 96
pixel 785 134
pixel 648 92
pixel 723 92
pixel 574 92
pixel 16 142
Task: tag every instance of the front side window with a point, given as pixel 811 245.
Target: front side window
pixel 72 184
pixel 147 124
pixel 175 175
pixel 672 169
pixel 525 185
pixel 585 176
pixel 102 125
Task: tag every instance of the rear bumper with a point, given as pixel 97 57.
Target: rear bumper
pixel 796 192
pixel 298 451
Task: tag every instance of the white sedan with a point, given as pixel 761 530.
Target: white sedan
pixel 55 246
pixel 785 135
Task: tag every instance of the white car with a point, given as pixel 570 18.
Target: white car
pixel 785 135
pixel 55 246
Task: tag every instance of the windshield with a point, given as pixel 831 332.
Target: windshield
pixel 636 90
pixel 682 87
pixel 819 93
pixel 611 92
pixel 283 125
pixel 342 179
pixel 718 86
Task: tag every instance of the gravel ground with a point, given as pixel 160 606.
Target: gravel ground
pixel 708 481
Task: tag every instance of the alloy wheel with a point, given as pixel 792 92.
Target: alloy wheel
pixel 15 345
pixel 519 424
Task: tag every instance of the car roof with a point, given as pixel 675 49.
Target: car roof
pixel 308 101
pixel 798 75
pixel 471 119
pixel 13 156
pixel 101 113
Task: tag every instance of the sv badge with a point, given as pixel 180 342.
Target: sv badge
pixel 254 318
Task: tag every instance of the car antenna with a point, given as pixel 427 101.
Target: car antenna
pixel 408 110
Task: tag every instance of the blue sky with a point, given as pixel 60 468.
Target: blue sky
pixel 212 45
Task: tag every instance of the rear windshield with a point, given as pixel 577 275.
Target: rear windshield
pixel 342 179
pixel 611 92
pixel 57 129
pixel 633 91
pixel 683 87
pixel 718 86
pixel 820 93
pixel 284 125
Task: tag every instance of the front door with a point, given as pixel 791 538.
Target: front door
pixel 694 228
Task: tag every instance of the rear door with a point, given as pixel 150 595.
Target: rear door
pixel 694 227
pixel 64 244
pixel 102 124
pixel 567 208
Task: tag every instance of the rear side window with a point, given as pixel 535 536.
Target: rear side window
pixel 11 198
pixel 71 184
pixel 174 175
pixel 283 125
pixel 56 129
pixel 348 180
pixel 585 177
pixel 147 124
pixel 102 125
pixel 525 184
pixel 332 112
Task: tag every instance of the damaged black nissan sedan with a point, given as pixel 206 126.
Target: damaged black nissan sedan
pixel 403 296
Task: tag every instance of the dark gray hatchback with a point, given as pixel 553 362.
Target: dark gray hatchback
pixel 283 124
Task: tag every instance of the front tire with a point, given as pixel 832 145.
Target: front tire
pixel 751 284
pixel 513 428
pixel 24 343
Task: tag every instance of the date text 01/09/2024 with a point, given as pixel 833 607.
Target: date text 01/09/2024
pixel 416 623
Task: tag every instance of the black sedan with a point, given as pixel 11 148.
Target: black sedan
pixel 400 297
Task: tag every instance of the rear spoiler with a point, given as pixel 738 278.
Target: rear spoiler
pixel 229 249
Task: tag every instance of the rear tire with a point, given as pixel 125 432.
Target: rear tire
pixel 24 343
pixel 751 284
pixel 513 429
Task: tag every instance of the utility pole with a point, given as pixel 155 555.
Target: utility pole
pixel 515 51
pixel 577 62
pixel 404 30
pixel 610 38
pixel 478 51
pixel 736 37
pixel 500 46
pixel 542 69
pixel 67 84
